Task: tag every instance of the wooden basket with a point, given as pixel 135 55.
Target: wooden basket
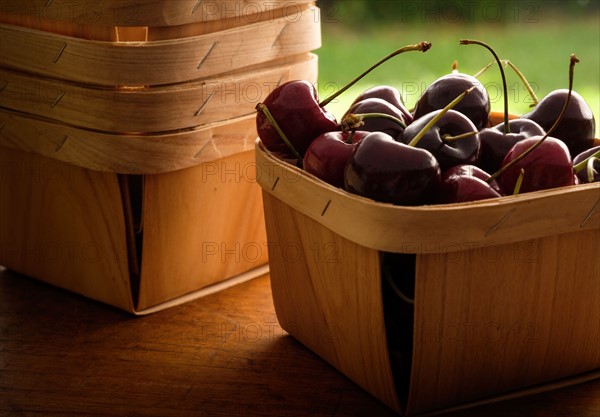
pixel 437 307
pixel 127 167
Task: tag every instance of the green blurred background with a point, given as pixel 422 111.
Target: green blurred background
pixel 537 36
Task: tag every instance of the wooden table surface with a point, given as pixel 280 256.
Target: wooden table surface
pixel 220 356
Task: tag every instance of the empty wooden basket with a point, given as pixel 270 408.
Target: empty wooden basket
pixel 127 141
pixel 437 307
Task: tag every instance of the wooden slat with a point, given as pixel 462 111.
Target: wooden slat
pixel 143 12
pixel 128 154
pixel 495 321
pixel 136 153
pixel 157 62
pixel 291 11
pixel 441 228
pixel 154 109
pixel 79 30
pixel 201 225
pixel 327 295
pixel 64 225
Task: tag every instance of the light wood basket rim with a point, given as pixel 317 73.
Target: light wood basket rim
pixel 157 62
pixel 138 13
pixel 153 109
pixel 430 228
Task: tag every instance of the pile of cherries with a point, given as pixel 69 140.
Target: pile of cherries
pixel 442 151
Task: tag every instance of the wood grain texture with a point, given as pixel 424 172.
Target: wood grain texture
pixel 140 153
pixel 64 225
pixel 145 12
pixel 160 62
pixel 153 109
pixel 222 356
pixel 524 313
pixel 127 154
pixel 392 228
pixel 201 225
pixel 326 295
pixel 74 29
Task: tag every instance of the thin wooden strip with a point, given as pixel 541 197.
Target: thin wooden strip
pixel 291 12
pixel 79 30
pixel 127 154
pixel 154 109
pixel 441 228
pixel 142 12
pixel 157 62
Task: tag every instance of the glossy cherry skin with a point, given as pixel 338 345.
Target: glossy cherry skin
pixel 389 94
pixel 576 128
pixel 583 174
pixel 464 183
pixel 392 172
pixel 295 107
pixel 476 105
pixel 378 124
pixel 328 154
pixel 495 144
pixel 447 152
pixel 548 166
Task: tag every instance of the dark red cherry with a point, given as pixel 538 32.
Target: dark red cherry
pixel 495 143
pixel 476 106
pixel 328 154
pixel 441 139
pixel 389 94
pixel 549 165
pixel 392 172
pixel 577 127
pixel 295 107
pixel 464 183
pixel 372 107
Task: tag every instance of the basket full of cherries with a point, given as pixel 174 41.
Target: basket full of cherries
pixel 439 256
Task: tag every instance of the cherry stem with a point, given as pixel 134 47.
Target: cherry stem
pixel 454 67
pixel 356 120
pixel 484 69
pixel 581 165
pixel 524 81
pixel 449 138
pixel 590 168
pixel 504 86
pixel 351 136
pixel 414 142
pixel 533 147
pixel 263 108
pixel 519 182
pixel 421 46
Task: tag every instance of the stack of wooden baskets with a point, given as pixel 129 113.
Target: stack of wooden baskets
pixel 127 134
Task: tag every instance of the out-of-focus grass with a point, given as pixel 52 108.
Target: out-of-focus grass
pixel 541 51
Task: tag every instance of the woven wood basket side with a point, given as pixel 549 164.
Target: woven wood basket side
pixel 145 153
pixel 148 63
pixel 141 13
